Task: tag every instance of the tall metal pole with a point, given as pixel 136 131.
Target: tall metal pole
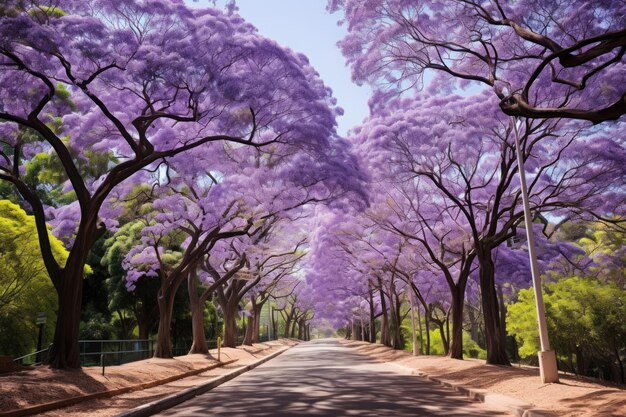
pixel 547 358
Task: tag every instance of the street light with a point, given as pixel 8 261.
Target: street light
pixel 547 358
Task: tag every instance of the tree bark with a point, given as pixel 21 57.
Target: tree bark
pixel 496 344
pixel 199 343
pixel 384 327
pixel 502 307
pixel 474 327
pixel 396 319
pixel 372 323
pixel 456 342
pixel 65 351
pixel 230 325
pixel 164 342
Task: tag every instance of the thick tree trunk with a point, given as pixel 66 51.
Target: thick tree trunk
pixel 256 329
pixel 287 326
pixel 199 343
pixel 248 337
pixel 456 342
pixel 230 325
pixel 65 352
pixel 257 309
pixel 164 342
pixel 496 343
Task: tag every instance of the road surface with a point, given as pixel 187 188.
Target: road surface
pixel 324 378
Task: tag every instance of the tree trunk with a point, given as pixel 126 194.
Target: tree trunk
pixel 287 326
pixel 444 340
pixel 427 325
pixel 144 330
pixel 301 329
pixel 398 342
pixel 256 330
pixel 372 323
pixel 456 340
pixel 474 327
pixel 384 327
pixel 502 307
pixel 68 283
pixel 496 344
pixel 198 344
pixel 294 323
pixel 249 334
pixel 65 351
pixel 164 342
pixel 248 337
pixel 230 325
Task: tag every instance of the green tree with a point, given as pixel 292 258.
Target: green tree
pixel 585 321
pixel 142 301
pixel 607 247
pixel 25 288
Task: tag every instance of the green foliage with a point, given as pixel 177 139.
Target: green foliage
pixel 25 288
pixel 470 348
pixel 97 327
pixel 585 319
pixel 213 324
pixel 42 12
pixel 141 302
pixel 606 247
pixel 522 322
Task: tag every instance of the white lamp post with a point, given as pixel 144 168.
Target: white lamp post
pixel 547 358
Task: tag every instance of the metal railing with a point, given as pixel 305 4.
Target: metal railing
pixel 118 352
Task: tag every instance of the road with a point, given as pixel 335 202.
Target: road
pixel 324 378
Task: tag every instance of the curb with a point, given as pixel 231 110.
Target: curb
pixel 517 407
pixel 170 401
pixel 67 402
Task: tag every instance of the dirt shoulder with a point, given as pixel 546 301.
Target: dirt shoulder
pixel 572 397
pixel 41 385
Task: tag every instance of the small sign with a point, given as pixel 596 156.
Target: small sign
pixel 41 318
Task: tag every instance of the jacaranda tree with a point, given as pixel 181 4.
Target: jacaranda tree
pixel 146 81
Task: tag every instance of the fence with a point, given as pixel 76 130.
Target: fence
pixel 118 352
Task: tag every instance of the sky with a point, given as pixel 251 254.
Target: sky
pixel 305 26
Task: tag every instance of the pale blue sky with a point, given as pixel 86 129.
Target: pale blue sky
pixel 305 26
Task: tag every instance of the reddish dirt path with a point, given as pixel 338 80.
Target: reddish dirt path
pixel 572 397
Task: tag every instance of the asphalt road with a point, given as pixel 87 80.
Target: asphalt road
pixel 323 378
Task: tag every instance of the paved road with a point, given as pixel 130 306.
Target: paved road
pixel 324 378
